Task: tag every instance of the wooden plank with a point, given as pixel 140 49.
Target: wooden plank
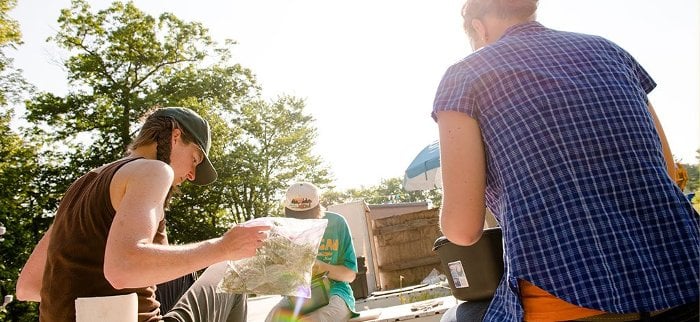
pixel 413 224
pixel 416 262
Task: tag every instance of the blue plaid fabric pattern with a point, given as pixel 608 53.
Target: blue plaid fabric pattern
pixel 575 173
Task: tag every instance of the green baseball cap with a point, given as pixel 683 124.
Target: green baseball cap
pixel 198 128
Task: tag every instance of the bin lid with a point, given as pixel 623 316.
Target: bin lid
pixel 442 240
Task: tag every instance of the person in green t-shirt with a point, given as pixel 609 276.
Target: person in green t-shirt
pixel 336 256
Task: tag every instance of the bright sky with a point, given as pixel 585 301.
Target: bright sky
pixel 368 69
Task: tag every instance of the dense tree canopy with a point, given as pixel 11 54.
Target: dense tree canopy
pixel 19 196
pixel 124 62
pixel 121 64
pixel 272 148
pixel 387 191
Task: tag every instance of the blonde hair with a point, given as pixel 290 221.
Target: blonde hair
pixel 506 9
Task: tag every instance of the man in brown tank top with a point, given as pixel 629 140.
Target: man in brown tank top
pixel 108 236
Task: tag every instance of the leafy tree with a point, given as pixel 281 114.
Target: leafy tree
pixel 693 173
pixel 12 85
pixel 273 149
pixel 694 180
pixel 123 63
pixel 18 170
pixel 20 204
pixel 693 183
pixel 388 191
pixel 9 28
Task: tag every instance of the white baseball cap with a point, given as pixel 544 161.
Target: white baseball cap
pixel 302 196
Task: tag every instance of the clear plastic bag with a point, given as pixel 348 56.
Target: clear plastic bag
pixel 282 266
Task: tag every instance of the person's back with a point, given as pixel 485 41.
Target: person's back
pixel 575 172
pixel 559 122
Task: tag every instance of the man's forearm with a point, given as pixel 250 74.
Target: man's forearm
pixel 337 272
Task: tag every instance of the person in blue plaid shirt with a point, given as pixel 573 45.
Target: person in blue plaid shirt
pixel 554 133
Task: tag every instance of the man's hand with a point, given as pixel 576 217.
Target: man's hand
pixel 335 272
pixel 242 241
pixel 319 267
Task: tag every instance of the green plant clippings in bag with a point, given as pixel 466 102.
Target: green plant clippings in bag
pixel 283 264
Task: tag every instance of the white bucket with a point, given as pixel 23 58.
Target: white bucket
pixel 118 308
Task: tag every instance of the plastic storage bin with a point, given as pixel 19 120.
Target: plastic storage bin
pixel 359 285
pixel 473 271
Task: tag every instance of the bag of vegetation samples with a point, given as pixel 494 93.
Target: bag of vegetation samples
pixel 282 266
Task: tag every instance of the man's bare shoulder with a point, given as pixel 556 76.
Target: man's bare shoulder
pixel 142 177
pixel 143 170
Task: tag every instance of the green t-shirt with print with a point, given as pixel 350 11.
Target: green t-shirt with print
pixel 337 249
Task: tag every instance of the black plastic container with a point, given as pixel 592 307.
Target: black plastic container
pixel 473 271
pixel 359 285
